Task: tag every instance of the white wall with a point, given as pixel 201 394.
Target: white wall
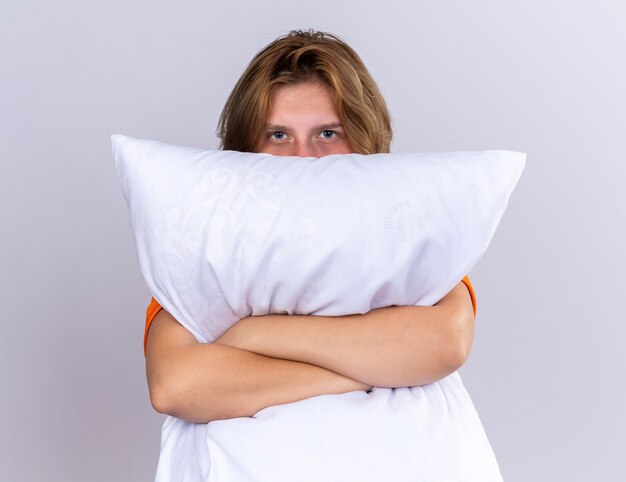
pixel 547 369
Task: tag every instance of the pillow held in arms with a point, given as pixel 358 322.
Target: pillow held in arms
pixel 222 235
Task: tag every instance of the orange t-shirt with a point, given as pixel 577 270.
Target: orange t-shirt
pixel 154 307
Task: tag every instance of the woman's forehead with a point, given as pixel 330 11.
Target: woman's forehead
pixel 310 103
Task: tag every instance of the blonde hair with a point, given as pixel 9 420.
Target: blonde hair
pixel 302 57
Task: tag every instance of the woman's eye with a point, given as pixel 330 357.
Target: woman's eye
pixel 278 135
pixel 328 134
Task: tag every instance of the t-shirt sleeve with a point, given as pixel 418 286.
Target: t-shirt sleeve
pixel 153 308
pixel 471 292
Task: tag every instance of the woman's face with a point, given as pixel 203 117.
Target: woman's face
pixel 303 122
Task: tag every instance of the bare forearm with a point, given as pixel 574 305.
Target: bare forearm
pixel 381 347
pixel 387 347
pixel 215 381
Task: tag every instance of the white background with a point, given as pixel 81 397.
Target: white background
pixel 544 77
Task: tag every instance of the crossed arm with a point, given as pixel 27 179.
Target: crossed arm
pixel 275 359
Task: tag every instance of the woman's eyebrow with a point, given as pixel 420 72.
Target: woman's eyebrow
pixel 334 125
pixel 277 127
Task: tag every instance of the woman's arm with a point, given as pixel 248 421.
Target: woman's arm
pixel 201 382
pixel 387 347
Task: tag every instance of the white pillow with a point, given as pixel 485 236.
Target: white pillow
pixel 221 235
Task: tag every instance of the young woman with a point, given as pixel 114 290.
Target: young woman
pixel 305 94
